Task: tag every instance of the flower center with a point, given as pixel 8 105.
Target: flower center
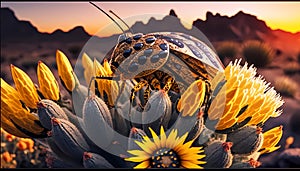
pixel 165 158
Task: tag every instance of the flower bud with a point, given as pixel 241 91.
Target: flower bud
pixel 193 124
pixel 61 156
pixel 135 135
pixel 79 94
pixel 65 71
pixel 97 121
pixel 93 160
pixel 157 111
pixel 218 155
pixel 25 87
pixel 245 164
pixel 47 82
pixel 48 109
pixel 69 139
pixel 246 140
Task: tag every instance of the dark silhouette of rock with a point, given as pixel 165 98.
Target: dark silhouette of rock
pixel 237 28
pixel 214 28
pixel 15 30
pixel 76 34
pixel 172 13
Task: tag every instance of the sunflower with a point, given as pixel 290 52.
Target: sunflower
pixel 166 152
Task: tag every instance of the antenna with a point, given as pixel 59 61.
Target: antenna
pixel 122 21
pixel 108 16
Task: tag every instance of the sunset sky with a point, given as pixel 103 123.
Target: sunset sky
pixel 49 16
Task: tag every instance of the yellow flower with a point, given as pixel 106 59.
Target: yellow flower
pixel 9 127
pixel 7 157
pixel 99 71
pixel 25 87
pixel 107 67
pixel 88 67
pixel 12 110
pixel 166 152
pixel 244 96
pixel 271 138
pixel 29 143
pixel 109 87
pixel 47 82
pixel 192 98
pixel 65 71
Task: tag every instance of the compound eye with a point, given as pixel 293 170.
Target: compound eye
pixel 137 36
pixel 121 38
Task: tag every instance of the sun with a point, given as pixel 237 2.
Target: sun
pixel 166 152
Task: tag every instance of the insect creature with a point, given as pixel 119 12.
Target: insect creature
pixel 162 60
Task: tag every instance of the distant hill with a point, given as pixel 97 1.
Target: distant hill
pixel 15 30
pixel 238 27
pixel 216 28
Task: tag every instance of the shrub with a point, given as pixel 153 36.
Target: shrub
pixel 28 65
pixel 227 49
pixel 294 122
pixel 286 86
pixel 258 53
pixel 74 50
pixel 298 57
pixel 291 68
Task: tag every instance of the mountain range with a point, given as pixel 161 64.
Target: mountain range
pixel 216 27
pixel 15 30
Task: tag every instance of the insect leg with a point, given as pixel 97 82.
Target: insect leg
pixel 147 94
pixel 155 83
pixel 136 88
pixel 168 84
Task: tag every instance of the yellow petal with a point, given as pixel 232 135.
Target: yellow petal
pixel 9 127
pixel 27 120
pixel 47 82
pixel 10 98
pixel 171 140
pixel 102 83
pixel 155 138
pixel 189 165
pixel 88 67
pixel 143 165
pixel 138 153
pixel 269 150
pixel 192 98
pixel 144 147
pixel 136 159
pixel 151 145
pixel 107 68
pixel 224 125
pixel 182 139
pixel 180 148
pixel 217 106
pixel 99 69
pixel 163 137
pixel 271 138
pixel 25 87
pixel 12 110
pixel 65 71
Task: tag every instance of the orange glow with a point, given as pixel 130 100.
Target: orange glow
pixel 49 16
